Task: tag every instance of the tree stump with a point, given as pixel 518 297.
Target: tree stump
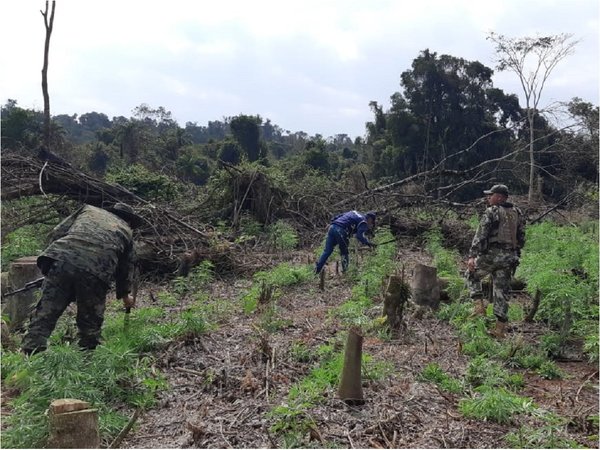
pixel 18 307
pixel 73 424
pixel 350 388
pixel 425 286
pixel 395 298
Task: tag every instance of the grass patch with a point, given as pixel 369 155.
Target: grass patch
pixel 282 275
pixel 434 374
pixel 494 403
pixel 118 375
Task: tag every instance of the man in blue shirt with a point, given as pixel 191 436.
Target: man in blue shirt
pixel 340 230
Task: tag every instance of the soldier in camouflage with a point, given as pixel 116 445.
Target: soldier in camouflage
pixel 88 250
pixel 495 251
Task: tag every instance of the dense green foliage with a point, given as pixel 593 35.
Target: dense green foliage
pixel 493 378
pixel 561 262
pixel 447 116
pixel 29 240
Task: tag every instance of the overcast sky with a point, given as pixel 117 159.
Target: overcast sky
pixel 307 65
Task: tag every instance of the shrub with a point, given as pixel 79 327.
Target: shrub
pixel 143 182
pixel 282 235
pixel 25 241
pixel 482 371
pixel 494 403
pixel 562 263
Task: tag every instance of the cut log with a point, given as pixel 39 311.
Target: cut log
pixel 350 388
pixel 425 286
pixel 73 424
pixel 19 306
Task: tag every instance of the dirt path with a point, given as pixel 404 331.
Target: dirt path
pixel 223 386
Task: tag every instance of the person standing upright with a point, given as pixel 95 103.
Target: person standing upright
pixel 495 251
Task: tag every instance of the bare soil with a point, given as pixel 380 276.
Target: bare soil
pixel 224 384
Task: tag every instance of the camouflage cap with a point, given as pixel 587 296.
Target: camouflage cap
pixel 497 189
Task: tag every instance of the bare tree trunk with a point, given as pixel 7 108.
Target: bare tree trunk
pixel 530 117
pixel 350 388
pixel 48 23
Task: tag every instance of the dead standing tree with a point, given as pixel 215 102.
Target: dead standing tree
pixel 48 23
pixel 533 60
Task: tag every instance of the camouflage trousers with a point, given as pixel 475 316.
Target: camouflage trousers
pixel 64 284
pixel 499 263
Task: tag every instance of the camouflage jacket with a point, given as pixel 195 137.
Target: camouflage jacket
pixel 489 230
pixel 97 241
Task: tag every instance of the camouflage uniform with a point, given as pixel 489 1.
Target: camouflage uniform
pixel 88 250
pixel 496 247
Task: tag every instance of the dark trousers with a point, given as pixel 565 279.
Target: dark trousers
pixel 335 236
pixel 64 284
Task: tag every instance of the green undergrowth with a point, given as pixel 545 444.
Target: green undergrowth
pixel 118 376
pixel 489 388
pixel 368 279
pixel 292 419
pixel 561 263
pixel 273 280
pixel 446 262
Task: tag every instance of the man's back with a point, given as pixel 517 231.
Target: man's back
pixel 93 240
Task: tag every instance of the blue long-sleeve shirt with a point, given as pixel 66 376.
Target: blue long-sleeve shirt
pixel 353 222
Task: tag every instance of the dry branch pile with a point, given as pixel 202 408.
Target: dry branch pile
pixel 170 243
pixel 164 238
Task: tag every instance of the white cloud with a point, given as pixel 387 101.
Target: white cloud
pixel 311 63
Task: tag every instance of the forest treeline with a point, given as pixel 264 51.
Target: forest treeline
pixel 447 122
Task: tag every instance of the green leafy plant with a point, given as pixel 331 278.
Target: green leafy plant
pixel 300 352
pixel 282 235
pixel 446 262
pixel 562 264
pixel 527 357
pixel 106 378
pixel 483 371
pixel 434 373
pixel 198 278
pixel 29 240
pixel 144 182
pixel 167 298
pixel 495 404
pixel 551 433
pixel 591 347
pixel 549 370
pixel 280 276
